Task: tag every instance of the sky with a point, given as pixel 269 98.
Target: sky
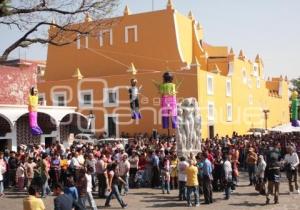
pixel 268 27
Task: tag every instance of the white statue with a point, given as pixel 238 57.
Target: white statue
pixel 189 127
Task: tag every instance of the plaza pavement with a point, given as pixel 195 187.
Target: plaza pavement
pixel 244 198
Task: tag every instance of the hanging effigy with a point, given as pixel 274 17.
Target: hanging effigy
pixel 168 91
pixel 32 108
pixel 134 99
pixel 295 103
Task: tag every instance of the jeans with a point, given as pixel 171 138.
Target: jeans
pixel 126 186
pixel 292 176
pixel 116 193
pixel 228 189
pixel 195 190
pixel 101 185
pixel 166 186
pixel 273 188
pixel 182 190
pixel 252 172
pixel 1 187
pixel 45 189
pixel 91 200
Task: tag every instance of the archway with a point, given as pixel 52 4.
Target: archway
pixel 5 128
pixel 72 123
pixel 24 136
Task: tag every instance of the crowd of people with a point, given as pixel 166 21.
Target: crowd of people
pixel 109 170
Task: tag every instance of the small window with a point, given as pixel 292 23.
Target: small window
pixel 210 85
pixel 86 41
pixel 211 112
pixel 111 97
pixel 228 87
pixel 257 83
pixel 78 41
pixel 42 99
pixel 231 68
pixel 245 79
pixel 131 34
pixel 59 99
pixel 255 70
pixel 106 37
pixel 86 98
pixel 229 112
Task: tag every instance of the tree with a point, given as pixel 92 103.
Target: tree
pixel 56 22
pixel 295 85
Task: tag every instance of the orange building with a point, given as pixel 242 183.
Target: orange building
pixel 93 74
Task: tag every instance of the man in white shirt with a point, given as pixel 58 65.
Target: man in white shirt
pixel 124 167
pixel 89 188
pixel 183 164
pixel 291 160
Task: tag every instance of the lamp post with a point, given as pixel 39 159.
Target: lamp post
pixel 91 117
pixel 266 112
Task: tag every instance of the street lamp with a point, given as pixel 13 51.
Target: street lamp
pixel 266 112
pixel 91 117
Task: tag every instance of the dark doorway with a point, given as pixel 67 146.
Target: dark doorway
pixel 211 130
pixel 48 141
pixel 111 126
pixel 3 144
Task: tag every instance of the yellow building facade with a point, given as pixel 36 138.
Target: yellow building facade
pixel 92 74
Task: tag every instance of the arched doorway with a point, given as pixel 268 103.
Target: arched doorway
pixel 73 123
pixel 5 128
pixel 24 136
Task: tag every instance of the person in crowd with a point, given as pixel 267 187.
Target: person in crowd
pixel 91 163
pixel 192 183
pixel 273 178
pixel 260 174
pixel 81 185
pixel 89 188
pixel 182 178
pixel 251 163
pixel 55 169
pixel 134 166
pixel 174 171
pixel 113 188
pixel 227 167
pixel 291 161
pixel 2 171
pixel 44 173
pixel 70 188
pixel 29 170
pixel 155 169
pixel 13 165
pixel 207 179
pixel 32 201
pixel 63 201
pixel 124 167
pixel 64 165
pixel 165 174
pixel 101 166
pixel 20 176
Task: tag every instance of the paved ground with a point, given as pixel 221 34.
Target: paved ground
pixel 243 198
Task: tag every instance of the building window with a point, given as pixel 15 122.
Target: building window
pixel 106 36
pixel 131 34
pixel 255 70
pixel 42 99
pixel 257 83
pixel 111 97
pixel 210 85
pixel 229 112
pixel 231 69
pixel 86 41
pixel 249 83
pixel 228 87
pixel 211 111
pixel 78 41
pixel 59 99
pixel 245 79
pixel 86 98
pixel 250 99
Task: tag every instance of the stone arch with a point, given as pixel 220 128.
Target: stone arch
pixel 6 125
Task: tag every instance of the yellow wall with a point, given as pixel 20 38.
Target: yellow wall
pixel 166 40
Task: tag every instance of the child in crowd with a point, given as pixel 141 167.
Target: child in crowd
pixel 20 176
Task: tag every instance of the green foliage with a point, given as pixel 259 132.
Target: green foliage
pixel 4 6
pixel 295 85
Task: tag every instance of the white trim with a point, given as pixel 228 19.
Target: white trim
pixel 57 94
pixel 229 117
pixel 78 44
pixel 102 32
pixel 127 28
pixel 228 92
pixel 81 98
pixel 177 38
pixel 230 68
pixel 106 123
pixel 106 97
pixel 210 92
pixel 86 41
pixel 209 117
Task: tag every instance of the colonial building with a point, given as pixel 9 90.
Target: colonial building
pixel 94 73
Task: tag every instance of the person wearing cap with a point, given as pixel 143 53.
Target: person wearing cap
pixel 251 163
pixel 291 161
pixel 192 183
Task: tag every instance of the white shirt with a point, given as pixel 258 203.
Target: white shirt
pixel 181 171
pixel 2 170
pixel 228 170
pixel 292 159
pixel 89 185
pixel 124 167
